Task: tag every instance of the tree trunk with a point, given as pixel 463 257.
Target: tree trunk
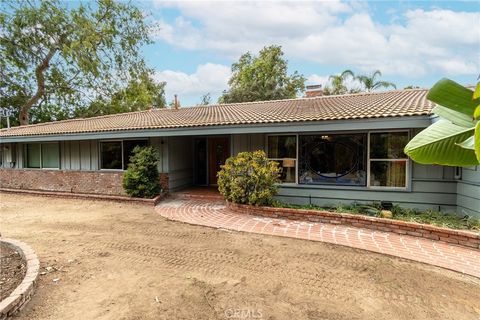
pixel 24 113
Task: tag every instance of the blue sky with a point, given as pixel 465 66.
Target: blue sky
pixel 411 42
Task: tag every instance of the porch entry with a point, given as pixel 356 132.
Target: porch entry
pixel 210 154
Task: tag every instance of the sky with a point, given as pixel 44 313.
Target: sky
pixel 410 42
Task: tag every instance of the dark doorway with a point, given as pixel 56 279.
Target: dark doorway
pixel 218 152
pixel 201 161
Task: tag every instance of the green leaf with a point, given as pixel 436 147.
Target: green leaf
pixel 437 145
pixel 476 114
pixel 454 116
pixel 477 141
pixel 468 144
pixel 476 93
pixel 454 96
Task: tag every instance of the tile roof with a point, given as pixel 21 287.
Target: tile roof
pixel 394 103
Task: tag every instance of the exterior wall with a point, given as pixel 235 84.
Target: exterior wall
pixel 180 162
pixel 468 192
pixel 432 187
pixel 94 182
pixel 247 142
pixel 75 181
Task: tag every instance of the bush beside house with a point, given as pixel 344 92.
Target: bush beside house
pixel 249 178
pixel 141 179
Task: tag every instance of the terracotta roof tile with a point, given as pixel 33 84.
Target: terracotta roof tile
pixel 353 106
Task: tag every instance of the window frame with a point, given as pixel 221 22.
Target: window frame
pixel 281 159
pixel 406 160
pixel 408 167
pixel 122 152
pixel 25 155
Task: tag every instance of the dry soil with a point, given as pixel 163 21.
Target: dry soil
pixel 123 261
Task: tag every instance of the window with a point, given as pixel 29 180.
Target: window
pixel 388 162
pixel 42 155
pixel 111 154
pixel 115 155
pixel 283 149
pixel 333 159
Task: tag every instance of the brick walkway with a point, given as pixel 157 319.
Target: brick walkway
pixel 213 213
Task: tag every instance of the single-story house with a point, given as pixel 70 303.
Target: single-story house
pixel 331 149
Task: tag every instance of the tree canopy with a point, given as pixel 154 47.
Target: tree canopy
pixel 59 56
pixel 338 83
pixel 262 77
pixel 371 83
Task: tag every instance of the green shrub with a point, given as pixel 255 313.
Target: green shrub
pixel 141 179
pixel 249 178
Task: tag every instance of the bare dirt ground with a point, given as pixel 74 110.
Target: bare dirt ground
pixel 122 261
pixel 12 270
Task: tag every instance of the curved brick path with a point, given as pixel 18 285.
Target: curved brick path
pixel 212 213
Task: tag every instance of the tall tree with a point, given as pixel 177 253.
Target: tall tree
pixel 140 94
pixel 205 99
pixel 371 83
pixel 338 83
pixel 67 55
pixel 262 77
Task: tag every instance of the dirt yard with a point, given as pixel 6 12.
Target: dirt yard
pixel 122 261
pixel 12 270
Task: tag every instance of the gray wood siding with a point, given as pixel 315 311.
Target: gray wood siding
pixel 247 142
pixel 180 162
pixel 468 192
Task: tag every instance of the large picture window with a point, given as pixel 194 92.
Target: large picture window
pixel 115 155
pixel 388 162
pixel 283 149
pixel 42 155
pixel 338 159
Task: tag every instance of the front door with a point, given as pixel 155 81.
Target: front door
pixel 218 152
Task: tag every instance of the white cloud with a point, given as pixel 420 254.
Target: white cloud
pixel 207 78
pixel 333 33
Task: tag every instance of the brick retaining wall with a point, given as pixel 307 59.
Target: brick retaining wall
pixel 93 182
pixel 460 237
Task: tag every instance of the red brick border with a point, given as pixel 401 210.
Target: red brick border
pixel 24 292
pixel 459 237
pixel 102 197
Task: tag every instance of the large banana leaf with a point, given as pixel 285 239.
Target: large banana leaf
pixel 454 96
pixel 437 144
pixel 454 116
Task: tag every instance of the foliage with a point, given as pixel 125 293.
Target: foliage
pixel 140 94
pixel 205 99
pixel 370 83
pixel 141 179
pixel 57 54
pixel 249 178
pixel 453 140
pixel 338 83
pixel 262 77
pixel 446 220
